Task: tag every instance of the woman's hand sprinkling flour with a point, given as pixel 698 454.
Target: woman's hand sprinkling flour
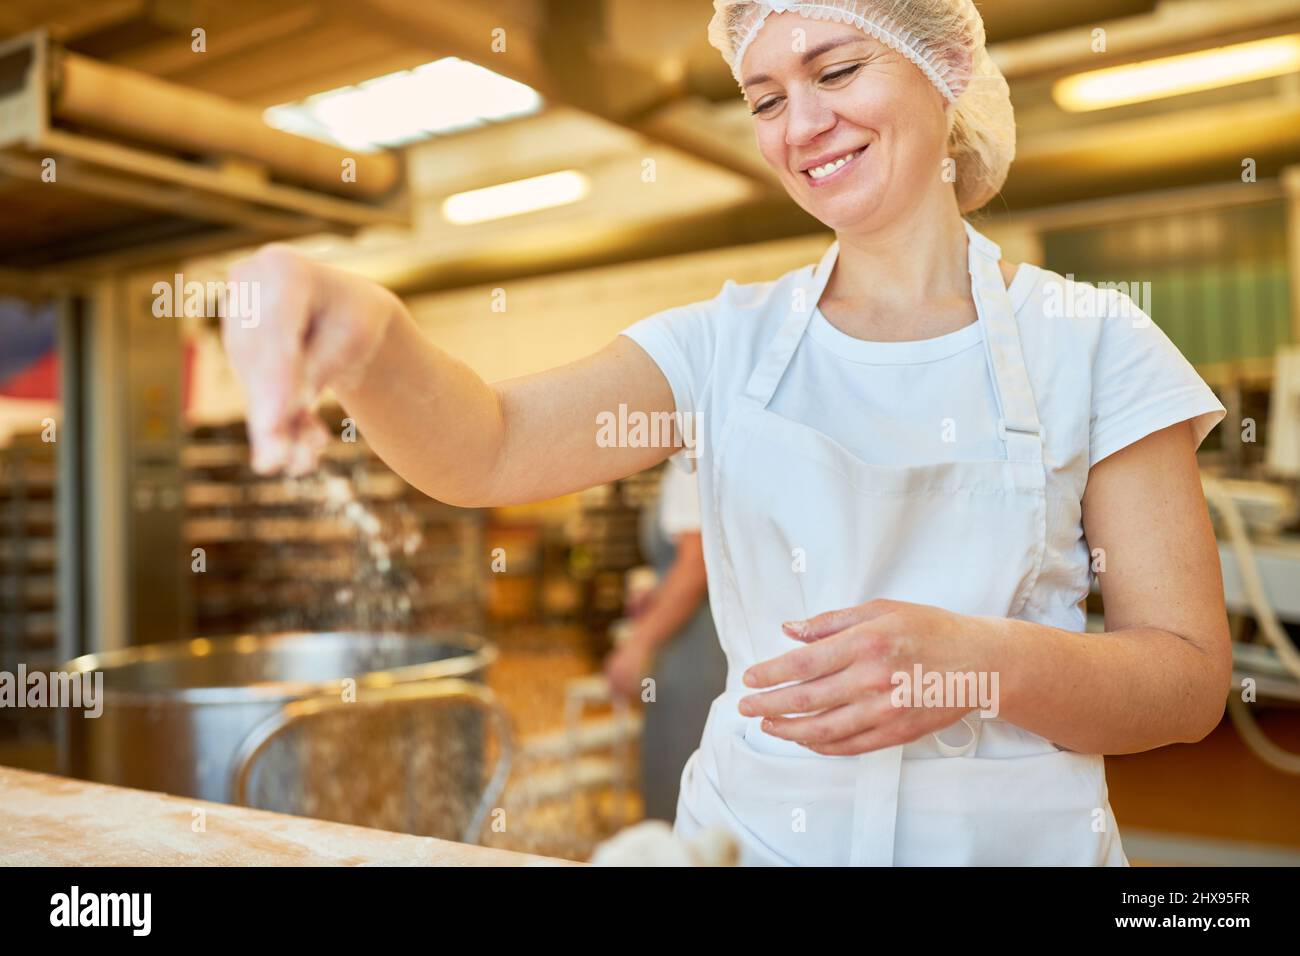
pixel 311 327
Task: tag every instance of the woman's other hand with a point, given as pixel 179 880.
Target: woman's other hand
pixel 843 695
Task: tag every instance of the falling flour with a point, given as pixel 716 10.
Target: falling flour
pixel 340 498
pixel 379 596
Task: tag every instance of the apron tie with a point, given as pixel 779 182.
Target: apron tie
pixel 974 723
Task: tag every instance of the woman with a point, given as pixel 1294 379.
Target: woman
pixel 911 460
pixel 673 627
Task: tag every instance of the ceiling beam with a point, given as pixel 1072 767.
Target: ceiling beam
pixel 758 221
pixel 78 21
pixel 174 56
pixel 1170 27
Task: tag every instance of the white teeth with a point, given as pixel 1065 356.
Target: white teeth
pixel 817 172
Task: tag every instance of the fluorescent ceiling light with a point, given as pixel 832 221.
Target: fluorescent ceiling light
pixel 439 97
pixel 514 198
pixel 1175 75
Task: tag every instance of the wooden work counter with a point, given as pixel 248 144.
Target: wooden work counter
pixel 57 821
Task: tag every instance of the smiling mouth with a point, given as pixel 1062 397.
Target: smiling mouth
pixel 824 171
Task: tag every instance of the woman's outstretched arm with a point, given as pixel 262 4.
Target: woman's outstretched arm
pixel 427 414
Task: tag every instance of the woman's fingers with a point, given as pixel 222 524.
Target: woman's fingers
pixel 268 350
pixel 314 327
pixel 820 656
pixel 309 439
pixel 275 410
pixel 822 693
pixel 829 727
pixel 801 664
pixel 271 447
pixel 831 622
pixel 877 737
pixel 889 727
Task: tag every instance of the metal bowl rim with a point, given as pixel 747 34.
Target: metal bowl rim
pixel 480 654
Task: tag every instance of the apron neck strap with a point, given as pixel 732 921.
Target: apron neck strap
pixel 1018 424
pixel 803 294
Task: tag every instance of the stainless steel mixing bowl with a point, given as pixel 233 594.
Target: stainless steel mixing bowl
pixel 176 714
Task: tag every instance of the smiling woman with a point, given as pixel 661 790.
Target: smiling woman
pixel 943 41
pixel 907 462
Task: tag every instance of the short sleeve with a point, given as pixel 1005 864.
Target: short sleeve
pixel 1141 383
pixel 681 341
pixel 679 502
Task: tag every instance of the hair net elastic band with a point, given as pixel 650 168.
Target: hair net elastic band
pixel 881 28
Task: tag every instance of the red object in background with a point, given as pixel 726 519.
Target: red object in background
pixel 40 380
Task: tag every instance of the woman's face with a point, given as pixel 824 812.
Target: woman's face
pixel 833 95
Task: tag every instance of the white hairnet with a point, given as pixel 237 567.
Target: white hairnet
pixel 944 38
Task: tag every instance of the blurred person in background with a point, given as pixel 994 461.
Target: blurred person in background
pixel 672 640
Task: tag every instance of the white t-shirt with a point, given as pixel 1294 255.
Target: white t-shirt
pixel 1103 376
pixel 679 502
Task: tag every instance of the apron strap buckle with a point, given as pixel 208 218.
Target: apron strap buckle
pixel 1024 428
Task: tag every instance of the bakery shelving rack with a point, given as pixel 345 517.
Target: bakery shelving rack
pixel 28 563
pixel 279 554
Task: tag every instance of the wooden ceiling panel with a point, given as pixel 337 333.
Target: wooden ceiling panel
pixel 65 19
pixel 36 215
pixel 309 62
pixel 1014 19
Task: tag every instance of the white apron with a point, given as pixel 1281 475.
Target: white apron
pixel 804 526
